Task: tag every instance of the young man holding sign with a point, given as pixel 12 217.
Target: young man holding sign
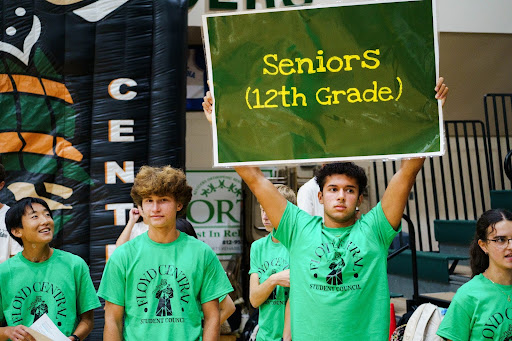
pixel 339 288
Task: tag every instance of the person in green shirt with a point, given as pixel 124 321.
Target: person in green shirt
pixel 162 282
pixel 482 308
pixel 339 288
pixel 270 279
pixel 42 280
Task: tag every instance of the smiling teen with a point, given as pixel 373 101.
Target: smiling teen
pixel 161 281
pixel 338 270
pixel 42 280
pixel 482 308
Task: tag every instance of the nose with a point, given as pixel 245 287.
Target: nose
pixel 154 207
pixel 46 219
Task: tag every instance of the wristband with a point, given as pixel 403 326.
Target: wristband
pixel 75 338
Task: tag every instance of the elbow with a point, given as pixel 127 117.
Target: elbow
pixel 231 310
pixel 254 302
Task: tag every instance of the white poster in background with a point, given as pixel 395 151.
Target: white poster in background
pixel 215 209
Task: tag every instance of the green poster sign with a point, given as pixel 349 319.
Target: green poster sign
pixel 324 83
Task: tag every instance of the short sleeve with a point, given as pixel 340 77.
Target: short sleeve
pixel 456 324
pixel 254 258
pixel 15 247
pixel 113 282
pixel 293 225
pixel 376 220
pixel 215 281
pixel 87 297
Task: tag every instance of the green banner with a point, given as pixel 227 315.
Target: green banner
pixel 324 83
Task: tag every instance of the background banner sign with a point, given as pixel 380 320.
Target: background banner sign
pixel 215 209
pixel 90 90
pixel 324 83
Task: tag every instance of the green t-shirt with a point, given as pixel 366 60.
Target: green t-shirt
pixel 162 286
pixel 338 276
pixel 479 311
pixel 61 287
pixel 268 258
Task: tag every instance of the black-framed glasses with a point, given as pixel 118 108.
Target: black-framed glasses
pixel 501 242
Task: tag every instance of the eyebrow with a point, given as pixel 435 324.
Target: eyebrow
pixel 34 211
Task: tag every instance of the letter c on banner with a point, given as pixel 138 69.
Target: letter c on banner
pixel 114 89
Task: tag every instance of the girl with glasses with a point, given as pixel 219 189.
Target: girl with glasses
pixel 482 308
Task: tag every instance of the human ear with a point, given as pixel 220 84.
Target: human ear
pixel 360 200
pixel 16 231
pixel 179 207
pixel 483 246
pixel 320 198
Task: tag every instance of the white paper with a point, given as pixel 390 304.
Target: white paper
pixel 47 330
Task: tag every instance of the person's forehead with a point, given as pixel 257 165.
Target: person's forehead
pixel 340 179
pixel 35 208
pixel 502 228
pixel 156 197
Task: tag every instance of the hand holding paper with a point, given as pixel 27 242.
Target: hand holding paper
pixel 17 333
pixel 44 329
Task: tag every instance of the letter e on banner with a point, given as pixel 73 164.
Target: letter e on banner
pixel 118 127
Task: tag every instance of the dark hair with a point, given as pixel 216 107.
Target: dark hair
pixel 2 173
pixel 185 226
pixel 14 214
pixel 347 168
pixel 478 259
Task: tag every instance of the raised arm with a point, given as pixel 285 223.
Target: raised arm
pixel 268 196
pixel 395 197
